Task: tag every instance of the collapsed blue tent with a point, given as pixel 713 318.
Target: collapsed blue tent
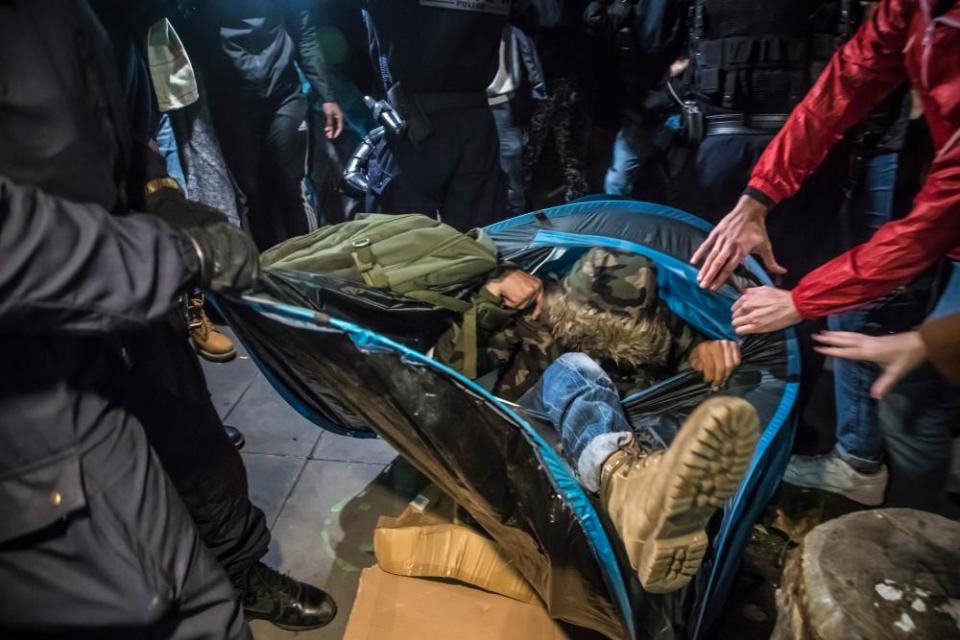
pixel 351 359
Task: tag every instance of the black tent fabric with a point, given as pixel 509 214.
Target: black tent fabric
pixel 351 359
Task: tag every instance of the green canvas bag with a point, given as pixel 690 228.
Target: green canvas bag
pixel 412 255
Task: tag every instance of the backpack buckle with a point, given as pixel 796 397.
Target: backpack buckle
pixel 362 255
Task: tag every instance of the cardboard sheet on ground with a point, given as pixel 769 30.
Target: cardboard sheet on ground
pixel 390 607
pixel 430 540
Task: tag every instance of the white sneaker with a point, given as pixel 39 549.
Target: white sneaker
pixel 830 473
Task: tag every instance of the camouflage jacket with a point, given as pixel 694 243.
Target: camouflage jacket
pixel 606 307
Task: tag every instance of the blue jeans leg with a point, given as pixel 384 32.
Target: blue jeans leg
pixel 511 156
pixel 582 403
pixel 859 441
pixel 632 149
pixel 949 301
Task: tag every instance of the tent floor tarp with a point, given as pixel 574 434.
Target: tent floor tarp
pixel 351 359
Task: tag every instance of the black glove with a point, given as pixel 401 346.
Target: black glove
pixel 171 206
pixel 229 261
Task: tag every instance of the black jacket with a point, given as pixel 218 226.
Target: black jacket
pixel 81 277
pixel 247 48
pixel 430 48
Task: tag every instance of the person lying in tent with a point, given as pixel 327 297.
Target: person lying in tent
pixel 573 349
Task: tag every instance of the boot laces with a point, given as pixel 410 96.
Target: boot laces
pixel 260 581
pixel 198 319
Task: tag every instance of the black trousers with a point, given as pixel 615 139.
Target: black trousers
pixel 167 392
pixel 265 147
pixel 164 511
pixel 454 174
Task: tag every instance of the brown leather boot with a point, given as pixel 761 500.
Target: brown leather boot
pixel 661 502
pixel 209 342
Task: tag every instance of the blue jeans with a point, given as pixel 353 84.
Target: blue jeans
pixel 167 143
pixel 511 156
pixel 859 441
pixel 632 149
pixel 582 403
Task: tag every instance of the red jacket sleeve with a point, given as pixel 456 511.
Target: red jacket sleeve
pixel 897 252
pixel 859 75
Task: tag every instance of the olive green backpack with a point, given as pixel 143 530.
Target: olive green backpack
pixel 411 255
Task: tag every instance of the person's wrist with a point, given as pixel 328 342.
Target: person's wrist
pixel 756 200
pixel 917 347
pixel 753 208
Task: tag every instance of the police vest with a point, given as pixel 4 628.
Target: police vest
pixel 762 57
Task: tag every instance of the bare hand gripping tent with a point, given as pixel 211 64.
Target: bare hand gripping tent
pixel 350 358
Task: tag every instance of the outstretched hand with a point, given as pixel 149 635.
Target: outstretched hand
pixel 741 232
pixel 897 355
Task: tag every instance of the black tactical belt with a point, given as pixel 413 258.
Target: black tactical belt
pixel 738 124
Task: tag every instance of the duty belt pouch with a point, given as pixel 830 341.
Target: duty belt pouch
pixel 692 121
pixel 418 122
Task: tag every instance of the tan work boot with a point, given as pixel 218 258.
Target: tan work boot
pixel 661 502
pixel 209 342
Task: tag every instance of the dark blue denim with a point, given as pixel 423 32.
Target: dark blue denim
pixel 859 441
pixel 583 404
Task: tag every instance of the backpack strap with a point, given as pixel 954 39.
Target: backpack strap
pixel 468 331
pixel 371 272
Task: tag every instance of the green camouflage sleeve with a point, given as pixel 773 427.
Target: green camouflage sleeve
pixel 493 345
pixel 525 350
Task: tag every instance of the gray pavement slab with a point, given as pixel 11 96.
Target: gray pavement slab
pixel 346 449
pixel 229 380
pixel 270 424
pixel 271 479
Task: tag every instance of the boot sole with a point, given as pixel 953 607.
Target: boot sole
pixel 714 449
pixel 215 357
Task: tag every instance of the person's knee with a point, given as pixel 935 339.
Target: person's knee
pixel 582 365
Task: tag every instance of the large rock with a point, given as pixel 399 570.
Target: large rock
pixel 886 573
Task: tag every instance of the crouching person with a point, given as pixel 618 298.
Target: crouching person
pixel 572 349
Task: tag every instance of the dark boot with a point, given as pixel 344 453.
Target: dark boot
pixel 235 436
pixel 267 594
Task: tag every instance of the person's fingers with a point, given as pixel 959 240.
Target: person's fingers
pixel 835 352
pixel 748 317
pixel 886 382
pixel 735 260
pixel 839 338
pixel 751 326
pixel 745 303
pixel 705 247
pixel 731 359
pixel 715 263
pixel 709 368
pixel 769 260
pixel 538 306
pixel 338 118
pixel 329 126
